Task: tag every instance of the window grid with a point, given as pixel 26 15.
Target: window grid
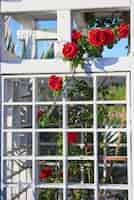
pixel 96 186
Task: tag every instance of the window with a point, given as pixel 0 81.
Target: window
pixel 82 152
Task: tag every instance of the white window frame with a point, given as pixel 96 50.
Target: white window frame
pixel 65 129
pixel 31 67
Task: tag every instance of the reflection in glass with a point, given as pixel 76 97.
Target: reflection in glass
pixel 50 194
pixel 108 87
pixel 17 171
pixel 49 116
pixel 18 117
pixel 80 116
pixel 49 144
pixel 18 90
pixel 17 144
pixel 80 194
pixel 113 195
pixel 80 144
pixel 81 171
pixel 50 171
pixel 80 88
pixel 113 116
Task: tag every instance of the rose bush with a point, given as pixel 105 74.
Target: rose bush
pixel 92 44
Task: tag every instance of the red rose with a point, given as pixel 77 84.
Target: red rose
pixel 123 30
pixel 45 173
pixel 70 50
pixel 76 35
pixel 40 114
pixel 96 37
pixel 99 37
pixel 109 35
pixel 55 83
pixel 87 147
pixel 72 137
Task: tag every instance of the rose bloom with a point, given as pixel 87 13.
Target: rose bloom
pixel 40 114
pixel 99 37
pixel 123 30
pixel 88 147
pixel 45 173
pixel 109 36
pixel 96 37
pixel 55 83
pixel 72 137
pixel 70 50
pixel 76 35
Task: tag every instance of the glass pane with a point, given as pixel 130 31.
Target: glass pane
pixel 80 172
pixel 43 91
pixel 50 171
pixel 113 116
pixel 80 144
pixel 17 172
pixel 18 192
pixel 111 88
pixel 46 24
pixel 45 49
pixel 80 116
pixel 49 144
pixel 18 90
pixel 17 144
pixel 80 194
pixel 49 116
pixel 50 194
pixel 112 143
pixel 113 170
pixel 113 195
pixel 80 88
pixel 18 117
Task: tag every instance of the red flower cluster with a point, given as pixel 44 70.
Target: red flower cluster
pixel 55 83
pixel 72 137
pixel 100 37
pixel 76 35
pixel 70 50
pixel 40 114
pixel 45 173
pixel 123 30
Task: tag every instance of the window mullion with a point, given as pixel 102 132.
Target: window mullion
pixel 65 168
pixel 95 137
pixel 128 136
pixel 2 138
pixel 33 140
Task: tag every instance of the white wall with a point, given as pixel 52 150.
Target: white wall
pixel 28 5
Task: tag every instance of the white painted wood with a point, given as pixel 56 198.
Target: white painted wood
pixel 129 145
pixel 132 28
pixel 37 34
pixel 27 6
pixel 64 25
pixel 132 127
pixel 65 145
pixel 59 66
pixel 2 138
pixel 33 140
pixel 95 136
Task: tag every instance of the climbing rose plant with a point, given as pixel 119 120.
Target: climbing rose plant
pixel 92 45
